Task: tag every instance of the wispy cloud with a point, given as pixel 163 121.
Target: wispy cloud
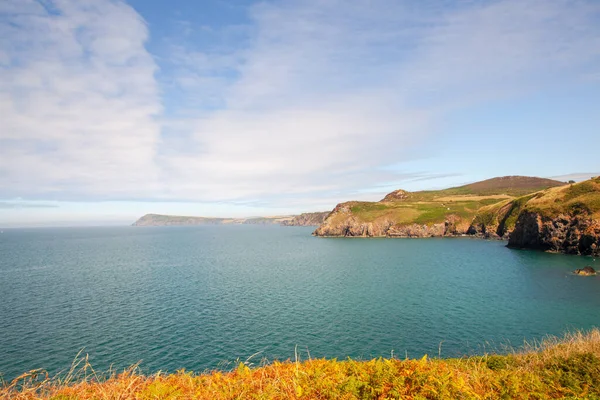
pixel 577 177
pixel 78 100
pixel 314 102
pixel 17 204
pixel 329 93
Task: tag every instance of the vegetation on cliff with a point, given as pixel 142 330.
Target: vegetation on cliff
pixel 562 218
pixel 565 368
pixel 431 213
pixel 565 219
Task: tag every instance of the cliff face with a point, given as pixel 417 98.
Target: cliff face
pixel 343 222
pixel 559 219
pixel 570 234
pixel 307 219
pixel 565 220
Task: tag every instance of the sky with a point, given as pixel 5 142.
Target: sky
pixel 113 109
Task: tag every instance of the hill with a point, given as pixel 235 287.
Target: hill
pixel 561 218
pixel 426 213
pixel 175 220
pixel 510 185
pixel 554 369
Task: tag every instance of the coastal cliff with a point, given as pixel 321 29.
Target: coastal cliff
pixel 449 212
pixel 307 219
pixel 344 221
pixel 558 217
pixel 566 221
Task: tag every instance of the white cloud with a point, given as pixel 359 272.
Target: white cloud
pixel 327 90
pixel 78 100
pixel 317 102
pixel 577 176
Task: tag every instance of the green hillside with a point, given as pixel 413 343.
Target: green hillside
pixel 459 205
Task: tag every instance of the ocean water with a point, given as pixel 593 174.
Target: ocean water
pixel 203 297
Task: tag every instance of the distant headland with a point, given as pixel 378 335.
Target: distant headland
pixel 305 219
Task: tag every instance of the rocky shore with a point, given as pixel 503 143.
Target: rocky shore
pixel 570 234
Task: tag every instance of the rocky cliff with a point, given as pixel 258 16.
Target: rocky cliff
pixel 307 219
pixel 448 212
pixel 342 221
pixel 570 234
pixel 562 218
pixel 566 221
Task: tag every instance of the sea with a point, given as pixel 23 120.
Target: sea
pixel 202 298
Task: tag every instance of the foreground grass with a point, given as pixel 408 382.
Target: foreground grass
pixel 556 368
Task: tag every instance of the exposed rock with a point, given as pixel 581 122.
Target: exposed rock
pixel 342 222
pixel 585 271
pixel 307 219
pixel 418 231
pixel 492 226
pixel 570 234
pixel 559 218
pixel 397 195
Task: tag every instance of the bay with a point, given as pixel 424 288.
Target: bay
pixel 203 297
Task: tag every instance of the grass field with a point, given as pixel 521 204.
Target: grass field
pixel 492 203
pixel 568 367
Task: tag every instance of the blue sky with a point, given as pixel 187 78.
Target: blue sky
pixel 112 109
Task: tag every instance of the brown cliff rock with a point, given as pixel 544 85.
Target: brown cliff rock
pixel 307 219
pixel 570 234
pixel 585 271
pixel 397 195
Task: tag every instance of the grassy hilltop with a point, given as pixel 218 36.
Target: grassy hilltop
pixel 553 369
pixel 428 213
pixel 530 212
pixel 581 199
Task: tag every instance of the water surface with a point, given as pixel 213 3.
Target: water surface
pixel 200 297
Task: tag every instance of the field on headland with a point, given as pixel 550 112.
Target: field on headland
pixel 556 368
pixel 528 212
pixel 429 213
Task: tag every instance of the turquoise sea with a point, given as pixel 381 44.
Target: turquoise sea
pixel 201 297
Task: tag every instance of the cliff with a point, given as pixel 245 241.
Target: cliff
pixel 448 212
pixel 563 218
pixel 307 219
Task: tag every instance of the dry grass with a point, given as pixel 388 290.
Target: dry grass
pixel 554 368
pixel 467 197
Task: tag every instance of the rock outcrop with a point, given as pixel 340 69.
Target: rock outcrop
pixel 307 219
pixel 397 195
pixel 585 271
pixel 342 222
pixel 570 234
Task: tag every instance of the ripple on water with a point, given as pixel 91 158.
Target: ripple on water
pixel 202 297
